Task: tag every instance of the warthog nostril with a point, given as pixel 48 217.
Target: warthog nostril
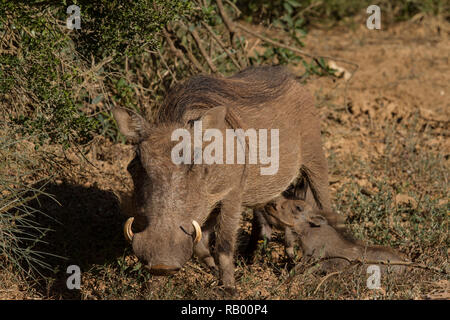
pixel 162 270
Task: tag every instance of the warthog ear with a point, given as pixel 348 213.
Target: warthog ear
pixel 214 118
pixel 131 125
pixel 316 220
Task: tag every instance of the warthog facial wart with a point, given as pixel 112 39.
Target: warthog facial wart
pixel 213 152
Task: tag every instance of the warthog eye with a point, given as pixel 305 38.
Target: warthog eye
pixel 191 122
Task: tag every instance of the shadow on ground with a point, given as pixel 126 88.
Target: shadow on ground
pixel 87 230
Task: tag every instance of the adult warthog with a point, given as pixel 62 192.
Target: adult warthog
pixel 175 203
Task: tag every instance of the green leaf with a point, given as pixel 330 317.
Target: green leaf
pixel 97 99
pixel 288 8
pixel 293 3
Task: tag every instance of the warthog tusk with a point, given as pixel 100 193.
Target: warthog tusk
pixel 198 232
pixel 128 233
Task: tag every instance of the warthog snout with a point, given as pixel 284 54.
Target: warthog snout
pixel 161 255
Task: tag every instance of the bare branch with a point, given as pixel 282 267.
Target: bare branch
pixel 167 66
pixel 275 43
pixel 202 50
pixel 226 20
pixel 234 7
pixel 231 29
pixel 221 44
pixel 178 53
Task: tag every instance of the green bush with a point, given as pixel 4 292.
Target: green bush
pixel 332 11
pixel 51 82
pixel 46 77
pixel 125 27
pixel 58 85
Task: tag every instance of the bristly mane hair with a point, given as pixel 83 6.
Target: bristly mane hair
pixel 248 88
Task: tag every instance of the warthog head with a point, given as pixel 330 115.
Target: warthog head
pixel 168 198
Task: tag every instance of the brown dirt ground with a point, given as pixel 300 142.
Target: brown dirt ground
pixel 403 74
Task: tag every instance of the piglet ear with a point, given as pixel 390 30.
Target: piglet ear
pixel 131 125
pixel 316 220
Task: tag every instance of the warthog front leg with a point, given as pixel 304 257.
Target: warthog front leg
pixel 289 240
pixel 227 227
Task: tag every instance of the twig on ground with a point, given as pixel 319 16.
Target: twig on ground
pixel 362 261
pixel 196 268
pixel 325 278
pixel 353 262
